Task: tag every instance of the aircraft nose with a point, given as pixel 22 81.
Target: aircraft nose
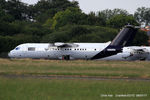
pixel 10 54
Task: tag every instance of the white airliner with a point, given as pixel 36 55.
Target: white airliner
pixel 114 50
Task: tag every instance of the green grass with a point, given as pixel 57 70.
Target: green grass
pixel 46 89
pixel 29 88
pixel 140 69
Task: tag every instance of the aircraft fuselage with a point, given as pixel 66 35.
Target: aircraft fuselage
pixel 79 51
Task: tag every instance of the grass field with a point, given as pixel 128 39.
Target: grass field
pixel 140 69
pixel 14 88
pixel 46 89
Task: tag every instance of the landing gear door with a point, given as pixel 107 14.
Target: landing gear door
pixel 66 57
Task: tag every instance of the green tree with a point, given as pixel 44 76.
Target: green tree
pixel 108 13
pixel 4 17
pixel 142 15
pixel 17 9
pixel 93 19
pixel 2 4
pixel 119 21
pixel 69 16
pixel 45 9
pixel 80 33
pixel 140 39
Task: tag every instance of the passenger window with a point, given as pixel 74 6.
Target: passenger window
pixel 31 49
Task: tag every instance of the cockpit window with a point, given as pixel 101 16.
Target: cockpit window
pixel 17 48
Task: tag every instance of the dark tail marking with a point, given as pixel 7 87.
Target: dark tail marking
pixel 124 38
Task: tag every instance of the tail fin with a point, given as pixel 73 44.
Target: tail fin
pixel 124 38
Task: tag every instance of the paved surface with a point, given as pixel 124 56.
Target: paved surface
pixel 66 77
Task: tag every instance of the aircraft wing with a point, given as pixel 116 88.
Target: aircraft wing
pixel 65 45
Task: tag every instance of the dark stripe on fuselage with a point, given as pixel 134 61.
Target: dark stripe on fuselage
pixel 108 51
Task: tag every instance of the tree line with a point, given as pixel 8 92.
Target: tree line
pixel 63 21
